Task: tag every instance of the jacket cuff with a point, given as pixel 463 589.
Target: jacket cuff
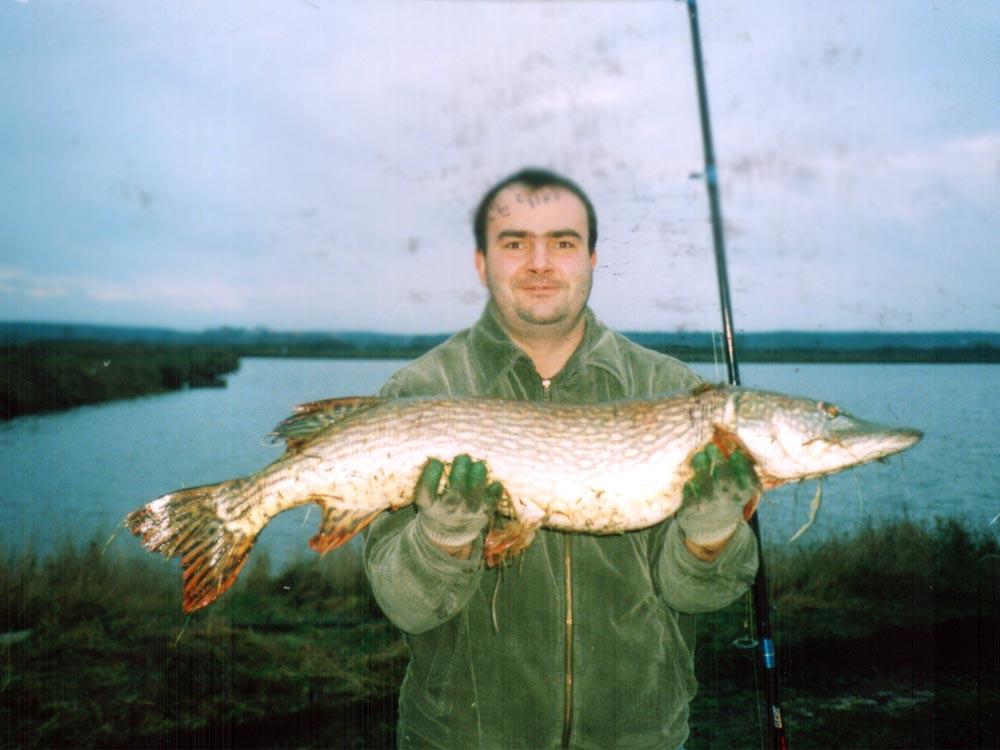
pixel 435 560
pixel 418 585
pixel 693 586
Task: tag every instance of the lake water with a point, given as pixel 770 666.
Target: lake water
pixel 76 474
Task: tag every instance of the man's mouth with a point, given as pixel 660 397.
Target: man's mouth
pixel 539 288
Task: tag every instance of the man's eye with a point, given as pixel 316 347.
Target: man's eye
pixel 565 245
pixel 513 245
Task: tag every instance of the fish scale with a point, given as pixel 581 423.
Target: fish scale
pixel 599 469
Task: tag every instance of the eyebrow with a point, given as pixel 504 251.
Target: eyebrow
pixel 566 233
pixel 522 233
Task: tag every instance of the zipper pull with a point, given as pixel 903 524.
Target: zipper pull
pixel 546 383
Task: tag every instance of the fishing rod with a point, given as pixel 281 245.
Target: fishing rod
pixel 767 660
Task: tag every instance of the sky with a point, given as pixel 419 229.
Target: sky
pixel 314 164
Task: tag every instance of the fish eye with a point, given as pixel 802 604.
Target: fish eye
pixel 831 410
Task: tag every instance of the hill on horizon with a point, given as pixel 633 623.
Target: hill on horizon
pixel 22 332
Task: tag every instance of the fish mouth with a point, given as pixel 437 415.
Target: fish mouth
pixel 875 445
pixel 906 437
pixel 822 456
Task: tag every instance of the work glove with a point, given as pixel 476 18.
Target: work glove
pixel 721 494
pixel 457 515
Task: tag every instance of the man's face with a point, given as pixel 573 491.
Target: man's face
pixel 537 266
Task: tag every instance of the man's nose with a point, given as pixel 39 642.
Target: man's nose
pixel 539 258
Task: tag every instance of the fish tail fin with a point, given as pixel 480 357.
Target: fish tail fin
pixel 186 524
pixel 339 526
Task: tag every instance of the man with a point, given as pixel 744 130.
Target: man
pixel 582 641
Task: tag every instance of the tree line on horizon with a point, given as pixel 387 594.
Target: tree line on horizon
pixel 45 374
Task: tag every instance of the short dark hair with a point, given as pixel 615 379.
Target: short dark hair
pixel 534 179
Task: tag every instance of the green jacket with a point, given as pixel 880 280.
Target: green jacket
pixel 627 665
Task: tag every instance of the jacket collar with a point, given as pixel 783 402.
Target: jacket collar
pixel 496 354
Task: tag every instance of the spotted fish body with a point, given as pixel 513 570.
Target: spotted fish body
pixel 600 469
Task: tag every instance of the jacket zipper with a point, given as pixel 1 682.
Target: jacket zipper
pixel 567 731
pixel 568 584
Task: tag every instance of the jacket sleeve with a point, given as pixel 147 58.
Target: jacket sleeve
pixel 686 583
pixel 692 586
pixel 417 585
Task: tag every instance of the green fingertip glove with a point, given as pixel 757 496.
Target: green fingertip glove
pixel 715 496
pixel 458 514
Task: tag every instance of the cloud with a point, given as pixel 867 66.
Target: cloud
pixel 209 295
pixel 983 145
pixel 159 293
pixel 316 163
pixel 911 184
pixel 8 273
pixel 46 292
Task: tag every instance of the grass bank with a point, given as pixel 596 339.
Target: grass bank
pixel 44 377
pixel 886 639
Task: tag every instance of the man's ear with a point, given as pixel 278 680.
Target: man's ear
pixel 593 260
pixel 479 259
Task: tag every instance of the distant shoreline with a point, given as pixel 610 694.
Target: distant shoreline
pixel 53 375
pixel 37 378
pixel 891 355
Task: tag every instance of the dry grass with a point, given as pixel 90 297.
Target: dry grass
pixel 892 626
pixel 111 661
pixel 886 639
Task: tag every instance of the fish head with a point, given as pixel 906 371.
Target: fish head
pixel 790 438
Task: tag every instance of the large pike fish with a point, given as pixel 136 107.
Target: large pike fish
pixel 600 469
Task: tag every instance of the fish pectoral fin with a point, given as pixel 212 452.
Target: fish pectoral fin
pixel 509 539
pixel 339 526
pixel 310 418
pixel 751 506
pixel 704 387
pixel 729 443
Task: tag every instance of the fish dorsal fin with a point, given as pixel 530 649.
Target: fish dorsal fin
pixel 310 418
pixel 703 388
